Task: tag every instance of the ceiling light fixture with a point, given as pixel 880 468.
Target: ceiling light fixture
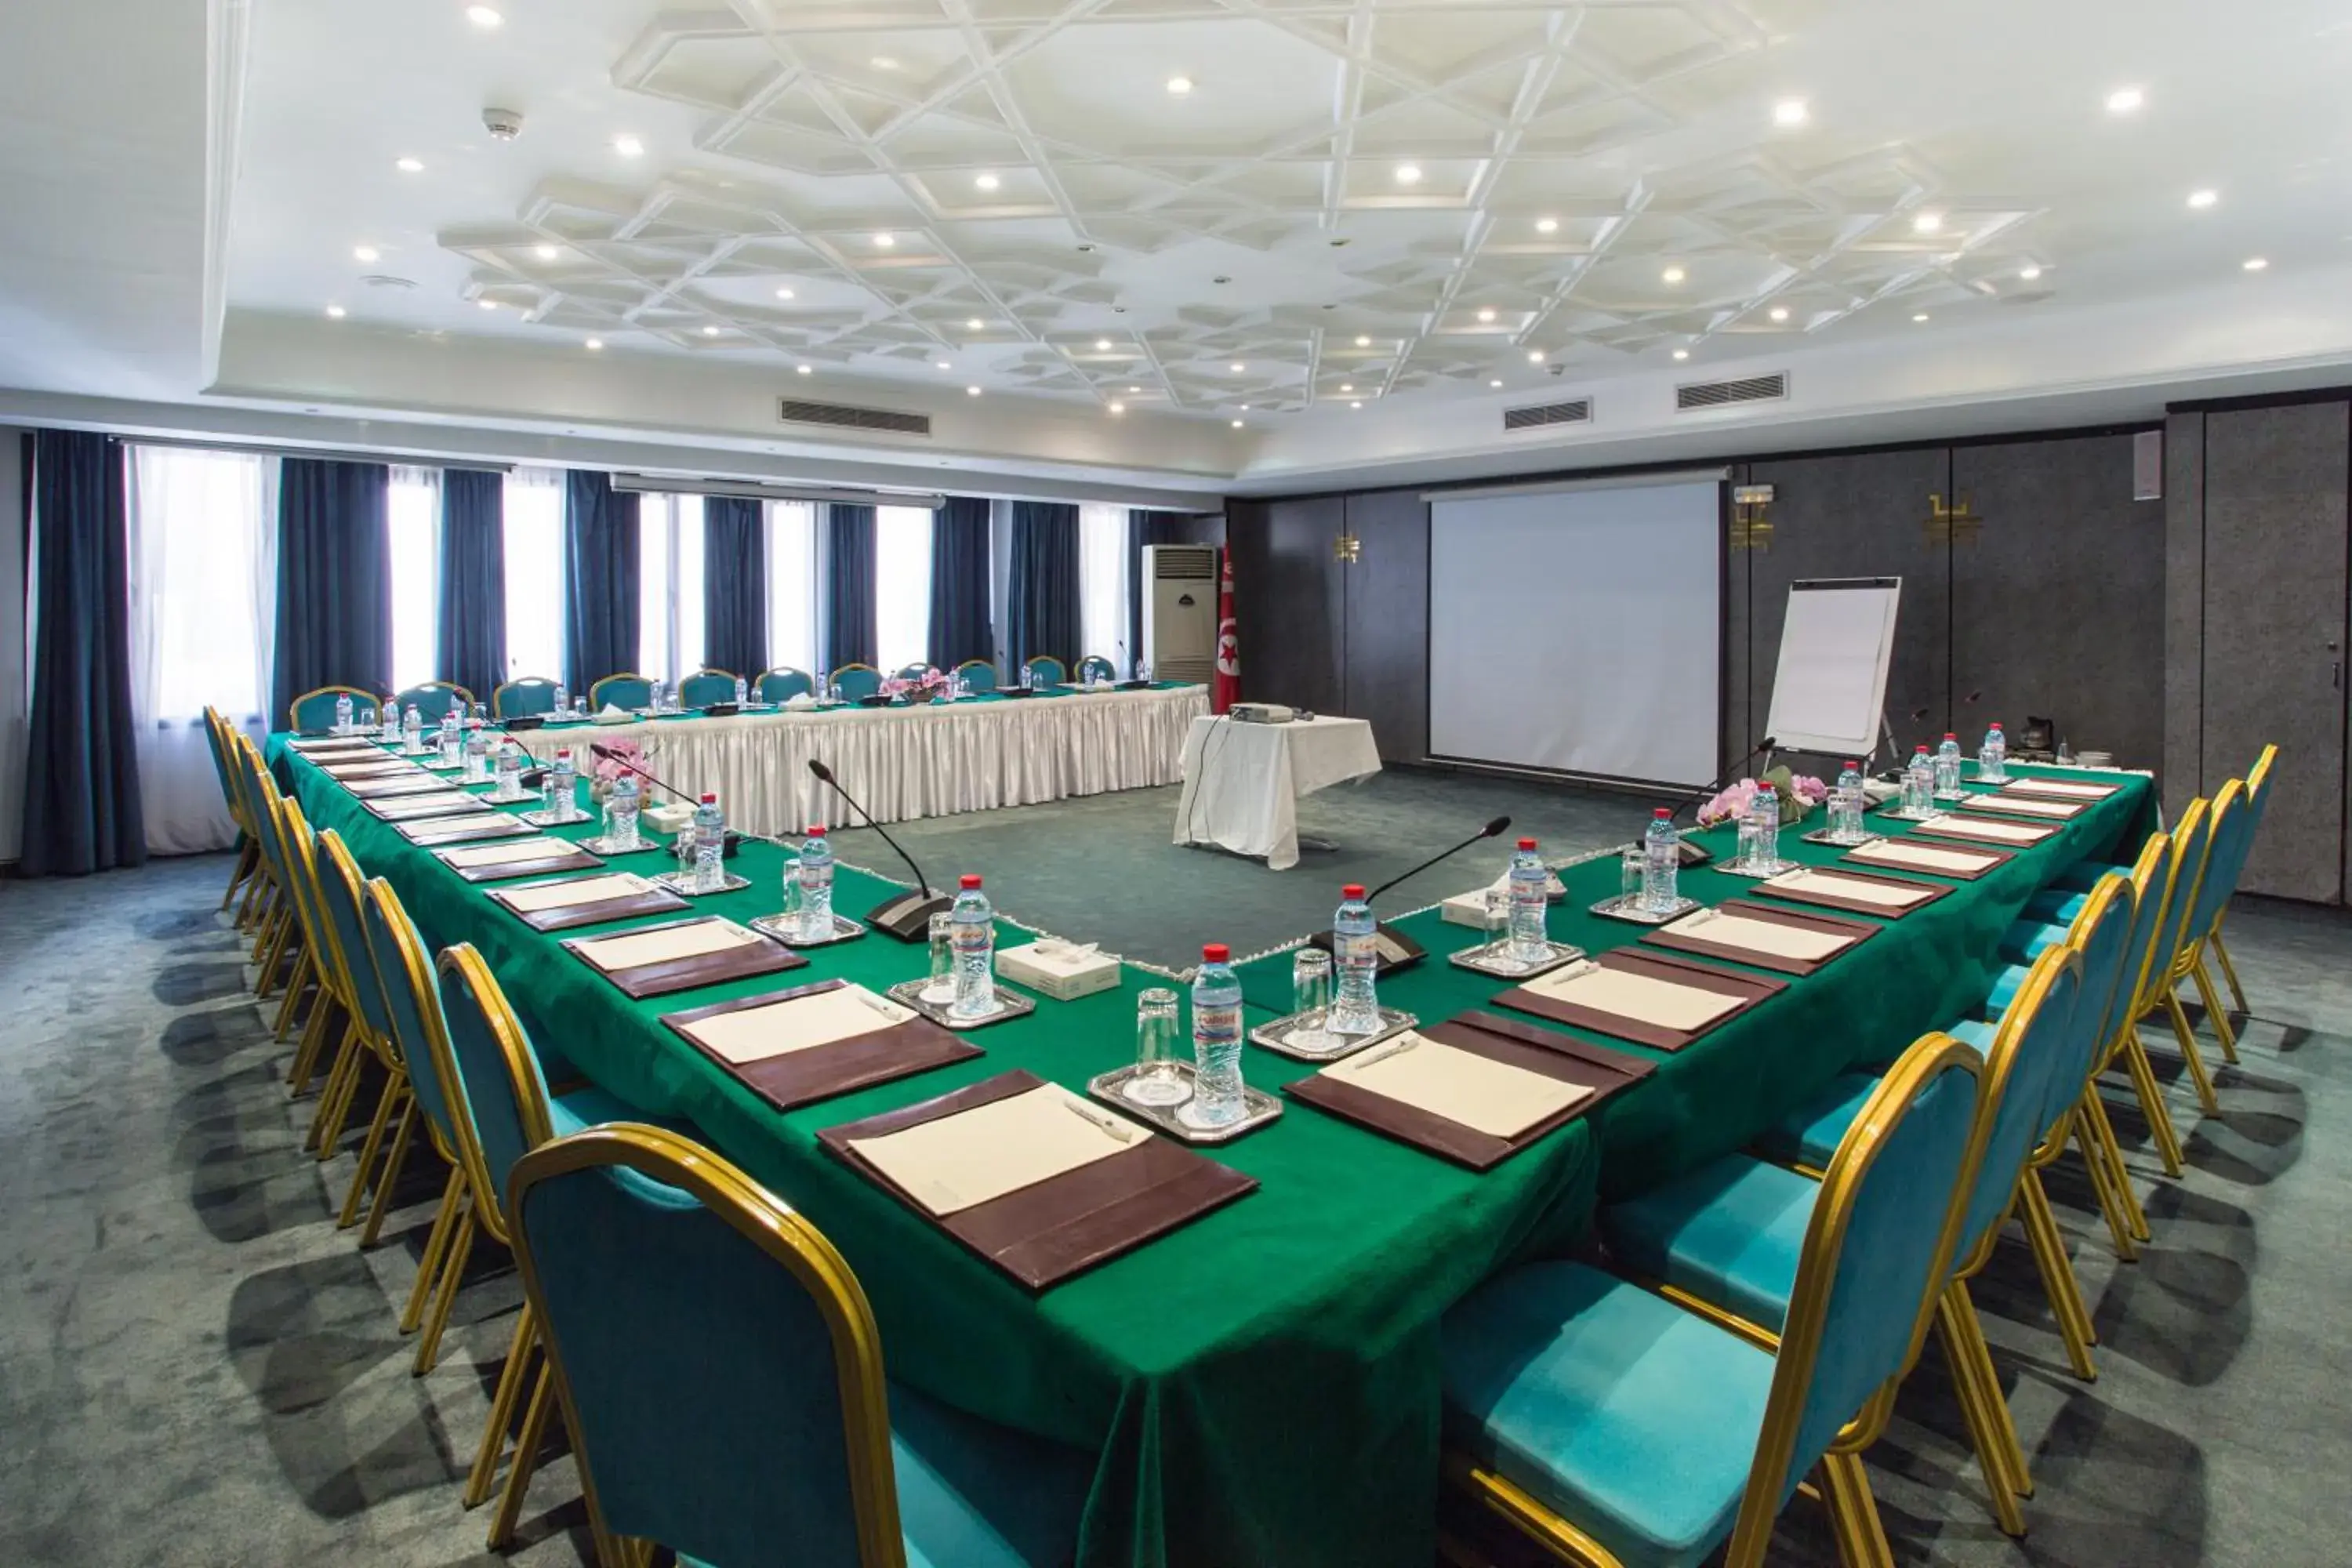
pixel 1363 342
pixel 1134 389
pixel 1496 383
pixel 1118 408
pixel 409 166
pixel 805 369
pixel 1237 424
pixel 483 16
pixel 986 182
pixel 2256 263
pixel 885 241
pixel 945 364
pixel 1237 367
pixel 784 293
pixel 1246 408
pixel 1547 225
pixel 1927 222
pixel 2201 199
pixel 1485 315
pixel 2029 272
pixel 883 63
pixel 710 331
pixel 975 325
pixel 1408 173
pixel 546 252
pixel 1178 86
pixel 2125 99
pixel 335 312
pixel 593 344
pixel 1102 345
pixel 628 146
pixel 1673 275
pixel 1779 312
pixel 1682 353
pixel 1535 356
pixel 365 252
pixel 1790 111
pixel 1347 386
pixel 487 304
pixel 1920 316
pixel 1355 406
pixel 971 392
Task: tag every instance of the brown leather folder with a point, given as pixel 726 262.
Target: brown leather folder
pixel 489 827
pixel 1750 989
pixel 2000 802
pixel 760 956
pixel 2039 788
pixel 1044 1234
pixel 654 900
pixel 1961 827
pixel 1857 906
pixel 1855 931
pixel 802 1077
pixel 1994 859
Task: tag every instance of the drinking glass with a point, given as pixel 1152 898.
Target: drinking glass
pixel 1311 1000
pixel 1630 871
pixel 2065 754
pixel 1157 1080
pixel 1495 915
pixel 1142 669
pixel 791 916
pixel 941 986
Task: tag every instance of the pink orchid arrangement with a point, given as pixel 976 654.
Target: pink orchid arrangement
pixel 1799 794
pixel 930 686
pixel 609 770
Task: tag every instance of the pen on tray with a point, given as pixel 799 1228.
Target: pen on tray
pixel 1124 1134
pixel 1395 1049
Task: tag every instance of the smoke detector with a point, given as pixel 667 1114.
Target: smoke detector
pixel 506 124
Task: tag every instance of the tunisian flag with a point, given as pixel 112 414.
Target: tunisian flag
pixel 1228 687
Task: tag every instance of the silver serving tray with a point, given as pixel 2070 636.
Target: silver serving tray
pixel 1492 958
pixel 1821 836
pixel 1258 1108
pixel 788 931
pixel 1896 814
pixel 1620 907
pixel 550 819
pixel 1733 868
pixel 520 797
pixel 1009 1004
pixel 603 846
pixel 682 884
pixel 1394 1021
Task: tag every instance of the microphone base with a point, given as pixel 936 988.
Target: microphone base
pixel 907 915
pixel 1693 855
pixel 1393 948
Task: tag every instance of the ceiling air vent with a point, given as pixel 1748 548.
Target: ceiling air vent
pixel 841 417
pixel 1719 394
pixel 1577 411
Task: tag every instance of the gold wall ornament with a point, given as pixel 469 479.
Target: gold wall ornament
pixel 1347 549
pixel 1751 529
pixel 1955 524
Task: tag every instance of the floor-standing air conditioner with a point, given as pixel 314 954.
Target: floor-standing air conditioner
pixel 1180 611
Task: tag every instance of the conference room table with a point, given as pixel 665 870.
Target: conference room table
pixel 1259 1387
pixel 924 760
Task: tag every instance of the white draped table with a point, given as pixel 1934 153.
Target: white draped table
pixel 905 763
pixel 1243 783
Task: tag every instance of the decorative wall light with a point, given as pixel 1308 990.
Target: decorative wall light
pixel 1955 524
pixel 1346 549
pixel 1751 529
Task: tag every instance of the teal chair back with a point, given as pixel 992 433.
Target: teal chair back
pixel 979 674
pixel 213 743
pixel 719 1363
pixel 2102 933
pixel 494 1061
pixel 2034 1032
pixel 706 687
pixel 340 895
pixel 524 697
pixel 433 698
pixel 621 691
pixel 316 709
pixel 1044 670
pixel 1094 665
pixel 783 683
pixel 395 952
pixel 2231 838
pixel 911 671
pixel 857 680
pixel 2190 843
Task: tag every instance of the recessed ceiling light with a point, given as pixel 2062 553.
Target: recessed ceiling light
pixel 487 304
pixel 1495 383
pixel 628 146
pixel 1118 408
pixel 1673 275
pixel 784 293
pixel 1246 408
pixel 883 63
pixel 1927 222
pixel 1919 316
pixel 971 392
pixel 483 16
pixel 1237 367
pixel 1485 315
pixel 1535 356
pixel 1347 386
pixel 974 325
pixel 2256 263
pixel 2125 99
pixel 1102 345
pixel 1779 312
pixel 885 241
pixel 1135 389
pixel 1363 342
pixel 593 344
pixel 710 331
pixel 1237 424
pixel 945 364
pixel 1180 85
pixel 365 252
pixel 1355 406
pixel 805 369
pixel 1682 353
pixel 986 182
pixel 1408 173
pixel 409 166
pixel 546 252
pixel 2203 198
pixel 335 312
pixel 1790 111
pixel 2029 272
pixel 1546 225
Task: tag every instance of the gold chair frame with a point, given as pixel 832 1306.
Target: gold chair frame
pixel 597 687
pixel 2188 960
pixel 248 851
pixel 498 692
pixel 358 694
pixel 2154 986
pixel 449 686
pixel 2258 783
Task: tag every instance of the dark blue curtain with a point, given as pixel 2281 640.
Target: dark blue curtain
pixel 1042 614
pixel 471 646
pixel 81 770
pixel 600 579
pixel 734 586
pixel 335 578
pixel 1144 528
pixel 849 632
pixel 960 628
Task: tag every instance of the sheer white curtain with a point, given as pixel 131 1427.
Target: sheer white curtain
pixel 1102 584
pixel 534 561
pixel 792 584
pixel 902 587
pixel 669 586
pixel 204 623
pixel 413 533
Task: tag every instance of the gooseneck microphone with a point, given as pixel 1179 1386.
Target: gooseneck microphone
pixel 1496 829
pixel 1391 949
pixel 907 916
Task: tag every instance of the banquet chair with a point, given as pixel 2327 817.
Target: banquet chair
pixel 2225 857
pixel 315 710
pixel 979 674
pixel 432 699
pixel 524 697
pixel 285 832
pixel 2185 863
pixel 342 898
pixel 248 851
pixel 1044 670
pixel 2258 800
pixel 1094 665
pixel 278 937
pixel 735 1398
pixel 910 672
pixel 629 691
pixel 857 680
pixel 235 785
pixel 705 687
pixel 1725 1240
pixel 1614 1427
pixel 255 914
pixel 783 683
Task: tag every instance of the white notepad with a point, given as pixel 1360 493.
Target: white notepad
pixel 780 1029
pixel 502 854
pixel 2026 805
pixel 957 1162
pixel 366 767
pixel 634 950
pixel 1986 827
pixel 566 895
pixel 437 803
pixel 1829 884
pixel 388 786
pixel 2059 786
pixel 467 825
pixel 1763 936
pixel 1636 996
pixel 1913 856
pixel 1477 1092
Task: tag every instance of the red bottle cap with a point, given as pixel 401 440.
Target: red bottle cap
pixel 969 880
pixel 1856 766
pixel 1526 843
pixel 1662 814
pixel 1950 736
pixel 1216 952
pixel 1920 751
pixel 709 798
pixel 1352 890
pixel 816 832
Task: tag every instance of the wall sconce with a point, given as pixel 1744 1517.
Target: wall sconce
pixel 1751 529
pixel 1346 549
pixel 1956 524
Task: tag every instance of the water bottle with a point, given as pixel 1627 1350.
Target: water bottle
pixel 478 755
pixel 1356 1005
pixel 621 815
pixel 1845 824
pixel 563 700
pixel 343 713
pixel 1948 769
pixel 1992 760
pixel 1919 785
pixel 453 739
pixel 1217 1100
pixel 975 952
pixel 709 845
pixel 1764 826
pixel 412 731
pixel 1662 856
pixel 389 731
pixel 510 772
pixel 1530 943
pixel 823 689
pixel 816 886
pixel 742 692
pixel 561 800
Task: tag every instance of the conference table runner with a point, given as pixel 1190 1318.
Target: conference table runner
pixel 929 760
pixel 1260 1385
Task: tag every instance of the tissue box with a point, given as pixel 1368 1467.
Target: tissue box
pixel 1059 969
pixel 1470 909
pixel 668 818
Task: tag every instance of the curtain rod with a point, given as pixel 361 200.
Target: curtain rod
pixel 330 455
pixel 749 490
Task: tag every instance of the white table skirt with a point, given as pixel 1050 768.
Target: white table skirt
pixel 905 763
pixel 1243 783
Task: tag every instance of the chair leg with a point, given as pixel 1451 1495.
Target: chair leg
pixel 2111 1203
pixel 274 935
pixel 305 971
pixel 445 1295
pixel 314 1040
pixel 428 1267
pixel 1963 1308
pixel 2152 1108
pixel 2228 971
pixel 342 1088
pixel 396 1160
pixel 2213 1008
pixel 502 1408
pixel 396 1090
pixel 248 856
pixel 2190 1053
pixel 526 1458
pixel 1853 1515
pixel 2057 1275
pixel 2094 1112
pixel 1969 1382
pixel 247 905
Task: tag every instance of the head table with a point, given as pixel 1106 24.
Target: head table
pixel 1260 1387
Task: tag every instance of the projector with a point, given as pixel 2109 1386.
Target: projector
pixel 1262 713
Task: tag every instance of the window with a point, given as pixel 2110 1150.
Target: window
pixel 1102 584
pixel 669 586
pixel 412 532
pixel 534 552
pixel 792 584
pixel 203 583
pixel 902 587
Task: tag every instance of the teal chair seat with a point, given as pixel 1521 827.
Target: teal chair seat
pixel 2004 989
pixel 972 1494
pixel 1809 1134
pixel 2056 905
pixel 1730 1233
pixel 2027 939
pixel 580 1109
pixel 1609 1406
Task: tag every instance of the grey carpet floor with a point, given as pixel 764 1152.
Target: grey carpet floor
pixel 196 1367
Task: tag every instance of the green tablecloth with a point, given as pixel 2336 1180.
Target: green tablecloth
pixel 1261 1386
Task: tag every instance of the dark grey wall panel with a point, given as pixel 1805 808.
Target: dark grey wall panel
pixel 1740 726
pixel 2184 611
pixel 1287 597
pixel 2275 509
pixel 1387 642
pixel 1857 516
pixel 2058 598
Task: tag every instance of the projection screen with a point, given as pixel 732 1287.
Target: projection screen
pixel 1579 629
